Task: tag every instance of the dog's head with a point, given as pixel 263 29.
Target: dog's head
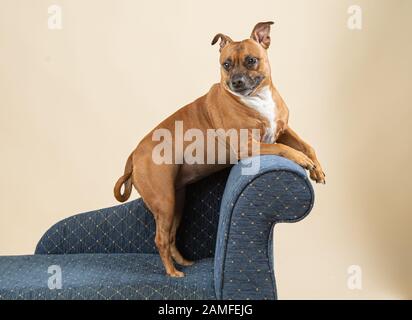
pixel 244 65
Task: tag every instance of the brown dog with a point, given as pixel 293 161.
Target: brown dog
pixel 245 98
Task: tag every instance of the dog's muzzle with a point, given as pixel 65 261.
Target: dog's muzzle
pixel 244 84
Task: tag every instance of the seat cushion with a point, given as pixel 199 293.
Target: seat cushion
pixel 102 276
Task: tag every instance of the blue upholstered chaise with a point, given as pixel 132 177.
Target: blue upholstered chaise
pixel 227 229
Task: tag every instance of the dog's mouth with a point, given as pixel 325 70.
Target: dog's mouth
pixel 245 86
pixel 244 92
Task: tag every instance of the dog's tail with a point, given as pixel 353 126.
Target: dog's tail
pixel 126 181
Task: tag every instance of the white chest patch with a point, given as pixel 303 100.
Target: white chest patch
pixel 264 104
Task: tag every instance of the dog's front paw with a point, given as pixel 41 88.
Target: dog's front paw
pixel 301 159
pixel 317 174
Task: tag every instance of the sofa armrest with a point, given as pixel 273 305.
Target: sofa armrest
pixel 126 228
pixel 252 204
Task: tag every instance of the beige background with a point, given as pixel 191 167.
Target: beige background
pixel 75 102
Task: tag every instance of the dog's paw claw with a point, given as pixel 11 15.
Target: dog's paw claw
pixel 317 174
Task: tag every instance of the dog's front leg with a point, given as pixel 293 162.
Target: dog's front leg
pixel 287 152
pixel 291 139
pixel 253 147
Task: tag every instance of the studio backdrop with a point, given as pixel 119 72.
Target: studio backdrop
pixel 81 82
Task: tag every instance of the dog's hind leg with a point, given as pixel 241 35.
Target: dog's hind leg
pixel 159 195
pixel 179 206
pixel 164 224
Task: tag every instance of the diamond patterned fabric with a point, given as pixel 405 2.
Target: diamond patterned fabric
pixel 130 227
pixel 251 206
pixel 227 228
pixel 102 277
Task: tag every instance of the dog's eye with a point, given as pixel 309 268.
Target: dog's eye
pixel 251 61
pixel 227 65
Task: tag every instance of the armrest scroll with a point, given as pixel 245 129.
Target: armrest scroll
pixel 279 192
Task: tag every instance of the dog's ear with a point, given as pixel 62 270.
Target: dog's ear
pixel 224 40
pixel 261 33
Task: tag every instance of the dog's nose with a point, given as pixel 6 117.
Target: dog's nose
pixel 238 82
